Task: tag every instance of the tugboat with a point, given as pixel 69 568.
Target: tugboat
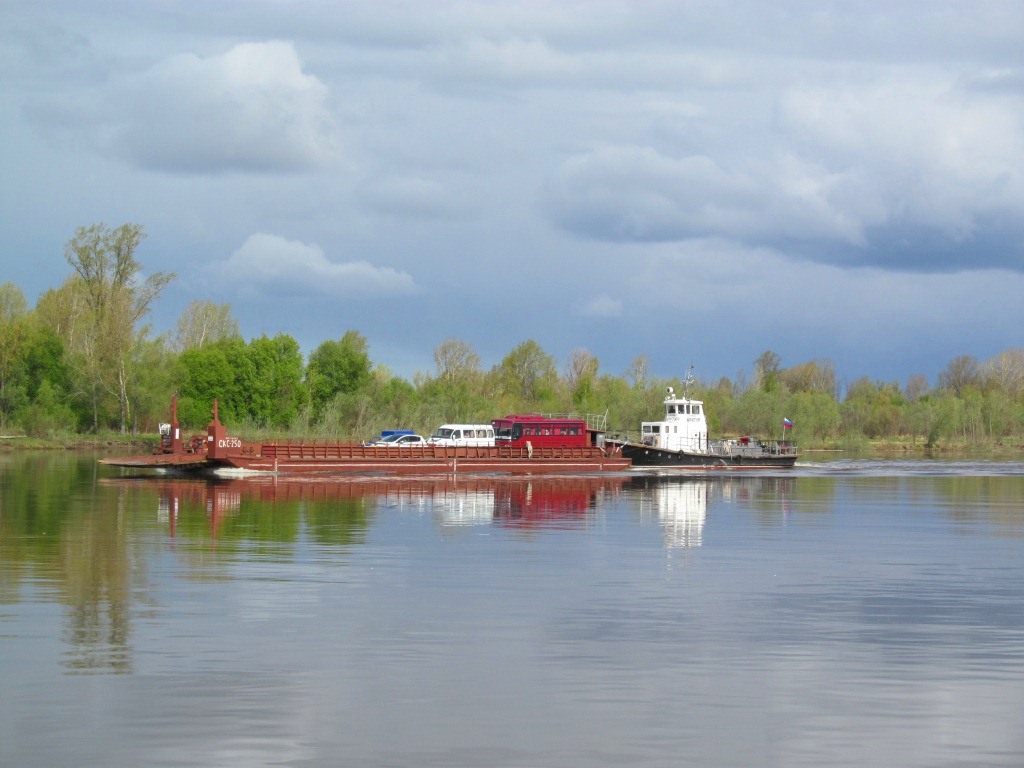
pixel 680 441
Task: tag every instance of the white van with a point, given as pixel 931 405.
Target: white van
pixel 463 434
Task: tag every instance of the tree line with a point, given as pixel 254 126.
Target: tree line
pixel 84 361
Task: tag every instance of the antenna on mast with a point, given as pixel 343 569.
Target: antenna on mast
pixel 689 381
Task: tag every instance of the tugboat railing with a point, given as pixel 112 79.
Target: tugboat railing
pixel 727 446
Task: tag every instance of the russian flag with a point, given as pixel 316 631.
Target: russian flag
pixel 787 423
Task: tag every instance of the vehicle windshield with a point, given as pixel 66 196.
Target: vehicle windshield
pixel 391 439
pixel 443 433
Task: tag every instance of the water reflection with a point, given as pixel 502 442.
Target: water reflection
pixel 512 502
pixel 680 504
pixel 680 507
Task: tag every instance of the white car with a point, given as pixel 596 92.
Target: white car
pixel 402 440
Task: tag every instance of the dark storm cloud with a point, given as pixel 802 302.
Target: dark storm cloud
pixel 909 175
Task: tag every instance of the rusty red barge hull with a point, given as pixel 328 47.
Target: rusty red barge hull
pixel 229 455
pixel 333 458
pixel 289 458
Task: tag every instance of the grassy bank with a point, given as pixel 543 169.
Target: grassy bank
pixel 111 441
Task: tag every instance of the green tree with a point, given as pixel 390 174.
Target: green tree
pixel 155 374
pixel 873 409
pixel 13 334
pixel 44 362
pixel 580 377
pixel 381 402
pixel 948 421
pixel 276 386
pixel 48 415
pixel 527 375
pixel 456 391
pixel 922 418
pixel 813 376
pixel 766 371
pixel 105 261
pixel 337 367
pixel 815 414
pixel 206 373
pixel 755 412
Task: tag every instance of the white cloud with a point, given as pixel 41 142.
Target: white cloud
pixel 249 109
pixel 930 153
pixel 273 265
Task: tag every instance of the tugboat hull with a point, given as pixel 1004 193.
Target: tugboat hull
pixel 645 456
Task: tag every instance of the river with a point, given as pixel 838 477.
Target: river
pixel 845 613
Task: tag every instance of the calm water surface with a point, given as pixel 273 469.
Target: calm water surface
pixel 847 613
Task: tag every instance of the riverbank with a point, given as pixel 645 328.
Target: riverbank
pixel 14 443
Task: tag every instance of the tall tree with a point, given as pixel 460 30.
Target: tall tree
pixel 455 393
pixel 916 387
pixel 527 373
pixel 204 322
pixel 766 371
pixel 580 374
pixel 118 299
pixel 455 361
pixel 66 311
pixel 638 371
pixel 962 372
pixel 1005 372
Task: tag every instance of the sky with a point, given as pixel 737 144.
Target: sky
pixel 695 182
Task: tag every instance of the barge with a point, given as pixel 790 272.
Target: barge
pixel 529 444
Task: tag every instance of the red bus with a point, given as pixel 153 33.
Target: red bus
pixel 542 431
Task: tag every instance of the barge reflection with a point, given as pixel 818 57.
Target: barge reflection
pixel 508 501
pixel 678 504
